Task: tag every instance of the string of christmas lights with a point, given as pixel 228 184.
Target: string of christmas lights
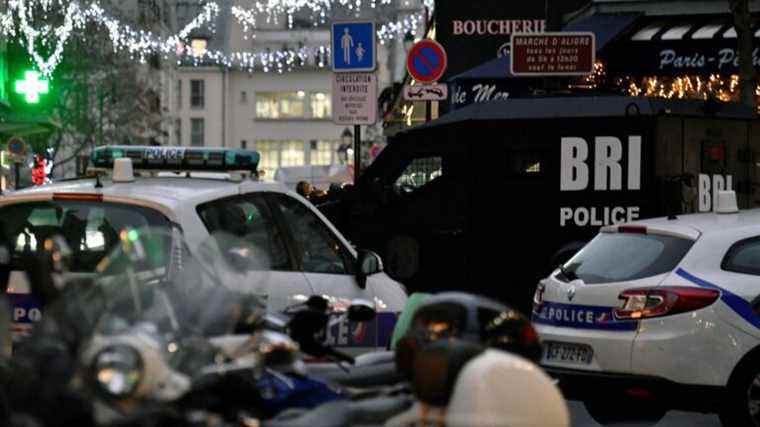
pixel 714 86
pixel 16 22
pixel 385 32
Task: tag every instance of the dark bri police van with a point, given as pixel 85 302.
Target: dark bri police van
pixel 492 197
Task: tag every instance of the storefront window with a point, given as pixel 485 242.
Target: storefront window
pixel 280 105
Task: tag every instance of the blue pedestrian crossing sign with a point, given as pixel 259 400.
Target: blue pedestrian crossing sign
pixel 353 46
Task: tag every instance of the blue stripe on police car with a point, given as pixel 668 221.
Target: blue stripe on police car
pixel 738 304
pixel 580 316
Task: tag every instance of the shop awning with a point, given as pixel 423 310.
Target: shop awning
pixel 18 125
pixel 493 80
pixel 606 27
pixel 678 45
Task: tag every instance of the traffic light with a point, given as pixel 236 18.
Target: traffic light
pixel 39 174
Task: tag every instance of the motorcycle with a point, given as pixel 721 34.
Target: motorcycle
pixel 468 361
pixel 157 338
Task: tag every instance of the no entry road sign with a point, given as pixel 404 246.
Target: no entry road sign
pixel 16 147
pixel 426 61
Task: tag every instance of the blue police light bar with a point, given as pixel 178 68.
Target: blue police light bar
pixel 177 158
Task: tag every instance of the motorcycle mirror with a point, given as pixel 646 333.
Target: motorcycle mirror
pixel 361 311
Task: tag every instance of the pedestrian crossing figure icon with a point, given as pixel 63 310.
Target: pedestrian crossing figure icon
pixel 348 43
pixel 353 46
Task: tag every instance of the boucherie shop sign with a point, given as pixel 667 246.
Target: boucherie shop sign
pixel 475 32
pixel 498 27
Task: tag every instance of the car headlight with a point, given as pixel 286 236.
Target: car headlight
pixel 118 370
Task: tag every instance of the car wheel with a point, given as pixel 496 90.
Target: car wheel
pixel 617 409
pixel 742 404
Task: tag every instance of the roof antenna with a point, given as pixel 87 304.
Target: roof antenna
pixel 98 184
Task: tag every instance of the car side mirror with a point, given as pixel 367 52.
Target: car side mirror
pixel 367 264
pixel 361 310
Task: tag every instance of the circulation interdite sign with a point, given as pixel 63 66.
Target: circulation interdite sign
pixel 553 54
pixel 354 98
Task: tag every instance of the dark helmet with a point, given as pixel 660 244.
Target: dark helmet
pixel 475 319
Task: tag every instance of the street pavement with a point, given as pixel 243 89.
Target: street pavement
pixel 581 418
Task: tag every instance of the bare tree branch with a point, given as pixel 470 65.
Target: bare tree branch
pixel 745 37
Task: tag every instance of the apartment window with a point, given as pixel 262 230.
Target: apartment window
pixel 281 105
pixel 197 132
pixel 292 153
pixel 322 152
pixel 243 97
pixel 244 144
pixel 270 155
pixel 197 89
pixel 198 46
pixel 321 105
pixel 179 94
pixel 178 131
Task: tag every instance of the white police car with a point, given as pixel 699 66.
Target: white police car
pixel 659 314
pixel 299 252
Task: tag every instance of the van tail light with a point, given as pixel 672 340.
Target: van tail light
pixel 644 303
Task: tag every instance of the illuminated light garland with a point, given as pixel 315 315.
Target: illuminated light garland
pixel 141 44
pixel 385 32
pixel 715 86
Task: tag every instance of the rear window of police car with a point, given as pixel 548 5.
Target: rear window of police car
pixel 617 257
pixel 91 229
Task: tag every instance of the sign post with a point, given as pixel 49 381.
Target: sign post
pixel 354 48
pixel 17 149
pixel 426 63
pixel 553 54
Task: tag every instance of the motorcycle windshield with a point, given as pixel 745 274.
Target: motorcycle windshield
pixel 152 283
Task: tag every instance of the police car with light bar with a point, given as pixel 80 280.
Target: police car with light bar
pixel 660 314
pixel 200 192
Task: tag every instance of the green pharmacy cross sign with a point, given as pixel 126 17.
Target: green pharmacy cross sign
pixel 32 86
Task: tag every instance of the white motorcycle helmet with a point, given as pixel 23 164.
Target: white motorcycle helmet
pixel 502 389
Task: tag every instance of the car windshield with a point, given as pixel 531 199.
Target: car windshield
pixel 645 255
pixel 91 229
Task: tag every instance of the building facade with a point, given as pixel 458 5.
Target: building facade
pixel 286 116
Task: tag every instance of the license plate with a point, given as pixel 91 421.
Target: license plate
pixel 568 353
